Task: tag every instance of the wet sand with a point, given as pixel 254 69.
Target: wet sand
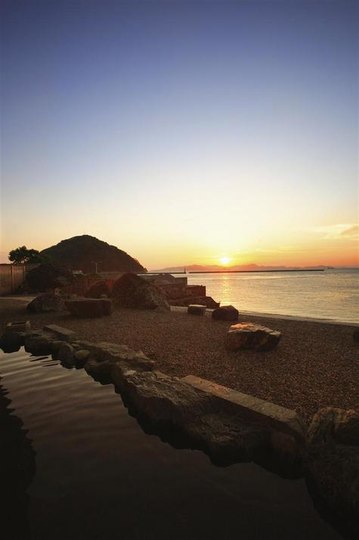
pixel 316 364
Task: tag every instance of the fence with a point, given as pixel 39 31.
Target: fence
pixel 12 276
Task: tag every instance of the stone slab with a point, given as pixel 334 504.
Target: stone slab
pixel 61 333
pixel 18 326
pixel 252 408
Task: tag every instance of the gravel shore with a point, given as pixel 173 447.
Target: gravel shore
pixel 315 364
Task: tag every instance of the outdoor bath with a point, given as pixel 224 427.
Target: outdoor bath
pixel 96 474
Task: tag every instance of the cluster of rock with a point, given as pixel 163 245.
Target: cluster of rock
pixel 230 427
pixel 130 291
pixel 179 293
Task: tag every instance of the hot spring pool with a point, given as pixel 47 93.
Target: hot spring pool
pixel 90 472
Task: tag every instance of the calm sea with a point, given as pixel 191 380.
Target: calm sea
pixel 332 294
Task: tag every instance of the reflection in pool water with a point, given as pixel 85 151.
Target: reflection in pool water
pixel 98 475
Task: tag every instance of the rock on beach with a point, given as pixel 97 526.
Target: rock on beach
pixel 251 336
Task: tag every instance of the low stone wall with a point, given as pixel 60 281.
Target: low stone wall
pixel 253 409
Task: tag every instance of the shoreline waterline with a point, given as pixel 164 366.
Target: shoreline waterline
pixel 266 315
pixel 258 314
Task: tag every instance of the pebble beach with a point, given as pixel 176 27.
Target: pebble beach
pixel 316 364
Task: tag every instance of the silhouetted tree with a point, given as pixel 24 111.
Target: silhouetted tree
pixel 22 255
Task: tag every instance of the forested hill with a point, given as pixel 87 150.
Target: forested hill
pixel 87 253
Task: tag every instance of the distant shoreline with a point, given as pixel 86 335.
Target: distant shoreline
pixel 239 271
pixel 253 271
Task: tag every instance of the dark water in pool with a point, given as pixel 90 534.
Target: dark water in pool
pixel 95 474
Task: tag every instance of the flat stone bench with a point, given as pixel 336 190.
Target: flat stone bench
pixel 60 332
pixel 252 408
pixel 196 309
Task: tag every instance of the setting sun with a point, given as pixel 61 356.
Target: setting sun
pixel 225 260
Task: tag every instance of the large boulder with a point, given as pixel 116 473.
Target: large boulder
pixel 14 335
pixel 331 424
pixel 46 302
pixel 225 313
pixel 98 289
pixel 104 356
pixel 174 409
pixel 65 354
pixel 38 343
pixel 226 439
pixel 46 276
pixel 11 341
pixel 332 467
pixel 89 307
pixel 332 476
pixel 131 291
pixel 160 398
pixel 251 336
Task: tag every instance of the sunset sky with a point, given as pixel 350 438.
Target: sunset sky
pixel 182 131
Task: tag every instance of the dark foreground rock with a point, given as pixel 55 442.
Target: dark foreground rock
pixel 251 336
pixel 65 354
pixel 170 405
pixel 160 398
pixel 131 291
pixel 225 313
pixel 89 307
pixel 103 356
pixel 38 343
pixel 11 341
pixel 331 425
pixel 80 357
pixel 356 335
pixel 13 336
pixel 332 475
pixel 46 302
pixel 332 467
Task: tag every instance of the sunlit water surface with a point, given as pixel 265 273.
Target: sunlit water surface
pixel 99 476
pixel 332 294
